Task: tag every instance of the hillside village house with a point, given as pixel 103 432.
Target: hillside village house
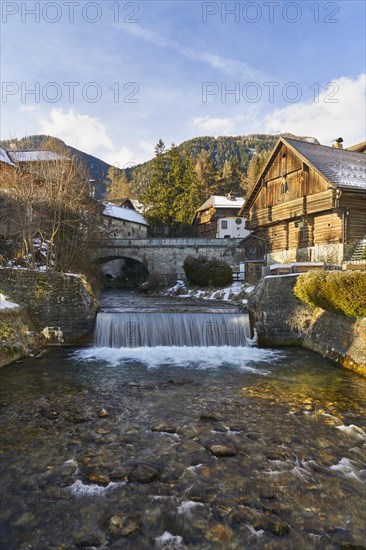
pixel 124 222
pixel 7 168
pixel 219 218
pixel 309 202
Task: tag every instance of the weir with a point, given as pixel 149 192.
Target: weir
pixel 152 329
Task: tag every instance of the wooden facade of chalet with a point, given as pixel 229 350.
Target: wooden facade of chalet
pixel 309 202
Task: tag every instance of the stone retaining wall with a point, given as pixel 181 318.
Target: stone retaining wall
pixel 280 319
pixel 17 338
pixel 61 303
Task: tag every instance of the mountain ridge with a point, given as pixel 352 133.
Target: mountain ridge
pixel 221 149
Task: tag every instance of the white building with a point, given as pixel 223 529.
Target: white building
pixel 219 218
pixel 124 222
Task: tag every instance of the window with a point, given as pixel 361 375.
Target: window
pixel 223 224
pixel 284 187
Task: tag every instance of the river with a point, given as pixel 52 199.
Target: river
pixel 211 445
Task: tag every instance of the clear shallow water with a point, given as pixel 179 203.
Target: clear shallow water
pixel 296 423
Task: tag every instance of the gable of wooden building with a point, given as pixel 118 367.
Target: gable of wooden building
pixel 310 202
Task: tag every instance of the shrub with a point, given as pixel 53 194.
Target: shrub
pixel 204 271
pixel 339 291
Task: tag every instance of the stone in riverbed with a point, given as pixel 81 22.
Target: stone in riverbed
pixel 120 525
pixel 84 539
pixel 226 449
pixel 102 413
pixel 278 528
pixel 220 534
pixel 164 428
pixel 98 479
pixel 143 473
pixel 210 417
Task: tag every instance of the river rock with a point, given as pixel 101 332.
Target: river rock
pixel 102 413
pixel 120 525
pixel 143 473
pixel 164 428
pixel 98 479
pixel 210 417
pixel 85 539
pixel 226 449
pixel 278 528
pixel 220 534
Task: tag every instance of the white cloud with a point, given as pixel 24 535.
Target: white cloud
pixel 213 126
pixel 81 131
pixel 90 135
pixel 226 65
pixel 324 119
pixel 149 36
pixel 122 158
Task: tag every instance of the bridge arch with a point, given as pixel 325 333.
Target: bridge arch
pixel 122 271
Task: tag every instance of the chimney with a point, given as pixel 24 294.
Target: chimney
pixel 338 143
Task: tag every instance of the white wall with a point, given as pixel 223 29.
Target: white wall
pixel 233 229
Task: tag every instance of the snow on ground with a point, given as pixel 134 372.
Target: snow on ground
pixel 237 292
pixel 6 304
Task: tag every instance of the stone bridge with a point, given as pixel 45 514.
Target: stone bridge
pixel 166 256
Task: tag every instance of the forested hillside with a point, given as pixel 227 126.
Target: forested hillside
pixel 98 169
pixel 215 155
pixel 222 164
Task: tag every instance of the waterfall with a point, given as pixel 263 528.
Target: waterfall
pixel 140 329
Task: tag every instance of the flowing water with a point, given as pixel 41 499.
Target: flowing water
pixel 211 444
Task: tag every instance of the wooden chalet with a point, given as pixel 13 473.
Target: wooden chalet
pixel 309 203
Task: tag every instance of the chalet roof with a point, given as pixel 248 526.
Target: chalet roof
pixel 4 157
pixel 123 213
pixel 34 156
pixel 341 167
pixel 358 148
pixel 218 201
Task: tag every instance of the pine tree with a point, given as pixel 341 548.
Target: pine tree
pixel 207 173
pixel 117 185
pixel 156 196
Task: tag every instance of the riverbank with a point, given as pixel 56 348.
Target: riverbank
pixel 236 293
pixel 59 308
pixel 280 319
pixel 17 337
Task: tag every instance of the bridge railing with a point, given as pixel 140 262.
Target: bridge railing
pixel 170 242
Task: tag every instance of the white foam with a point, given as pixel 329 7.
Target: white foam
pixel 190 357
pixel 168 538
pixel 81 490
pixel 194 468
pixel 346 468
pixel 353 431
pixel 253 532
pixel 187 506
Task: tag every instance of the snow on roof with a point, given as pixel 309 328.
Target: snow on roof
pixel 341 167
pixel 218 201
pixel 121 213
pixel 33 156
pixel 4 157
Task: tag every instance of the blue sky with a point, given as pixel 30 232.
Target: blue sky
pixel 112 77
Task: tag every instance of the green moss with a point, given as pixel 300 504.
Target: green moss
pixel 338 291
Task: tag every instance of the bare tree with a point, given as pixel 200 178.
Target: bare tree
pixel 51 212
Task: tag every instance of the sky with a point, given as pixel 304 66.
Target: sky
pixel 113 77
